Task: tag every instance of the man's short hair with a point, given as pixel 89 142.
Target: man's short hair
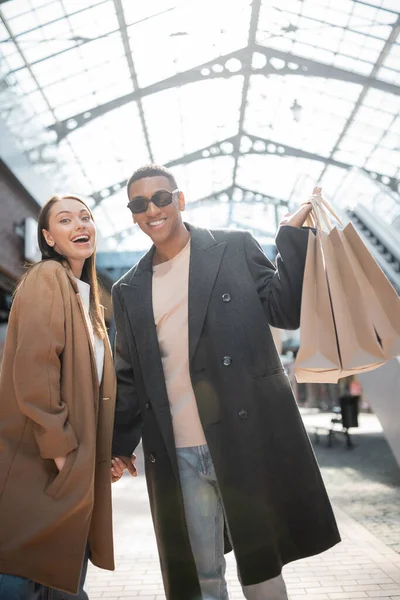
pixel 152 170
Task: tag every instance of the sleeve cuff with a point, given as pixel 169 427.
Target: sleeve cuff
pixel 299 233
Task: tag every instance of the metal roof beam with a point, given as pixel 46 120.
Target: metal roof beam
pixel 249 196
pixel 245 144
pixel 251 144
pixel 200 73
pixel 370 5
pixel 381 59
pixel 239 62
pixel 299 65
pixel 255 14
pixel 252 196
pixel 119 9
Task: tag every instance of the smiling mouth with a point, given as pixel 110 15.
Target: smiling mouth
pixel 157 223
pixel 82 239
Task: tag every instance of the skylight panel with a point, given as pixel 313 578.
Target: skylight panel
pixel 377 118
pixel 274 175
pixel 187 37
pixel 58 68
pixel 18 9
pixel 203 177
pixel 390 4
pixel 48 12
pixel 95 22
pixel 314 128
pixel 390 75
pixel 141 11
pixel 198 115
pixel 383 161
pixel 108 147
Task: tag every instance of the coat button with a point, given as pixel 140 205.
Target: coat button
pixel 243 414
pixel 148 405
pixel 226 297
pixel 152 458
pixel 227 361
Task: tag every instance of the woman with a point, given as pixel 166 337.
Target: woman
pixel 57 394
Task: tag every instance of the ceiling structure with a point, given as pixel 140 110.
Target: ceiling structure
pixel 249 102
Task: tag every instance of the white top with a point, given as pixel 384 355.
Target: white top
pixel 98 343
pixel 170 306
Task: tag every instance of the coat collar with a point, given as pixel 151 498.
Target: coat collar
pixel 200 239
pixel 205 258
pixel 72 279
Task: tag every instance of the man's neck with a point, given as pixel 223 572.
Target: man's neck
pixel 172 247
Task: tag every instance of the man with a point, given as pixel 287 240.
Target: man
pixel 227 459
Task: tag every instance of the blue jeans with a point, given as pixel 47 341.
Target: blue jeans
pixel 205 521
pixel 13 587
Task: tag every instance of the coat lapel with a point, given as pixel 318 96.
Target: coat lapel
pixel 138 301
pixel 205 259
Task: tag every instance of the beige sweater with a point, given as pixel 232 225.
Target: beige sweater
pixel 170 306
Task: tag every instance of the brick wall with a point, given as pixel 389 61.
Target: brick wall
pixel 15 206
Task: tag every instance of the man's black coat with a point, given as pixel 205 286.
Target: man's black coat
pixel 274 498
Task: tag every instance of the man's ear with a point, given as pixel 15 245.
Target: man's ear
pixel 181 201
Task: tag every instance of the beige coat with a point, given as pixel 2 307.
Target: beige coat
pixel 51 405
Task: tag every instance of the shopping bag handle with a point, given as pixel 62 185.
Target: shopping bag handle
pixel 321 215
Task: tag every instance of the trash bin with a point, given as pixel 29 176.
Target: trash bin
pixel 349 409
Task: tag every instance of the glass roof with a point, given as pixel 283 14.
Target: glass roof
pixel 250 102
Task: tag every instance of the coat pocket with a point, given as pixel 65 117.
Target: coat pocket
pixel 56 485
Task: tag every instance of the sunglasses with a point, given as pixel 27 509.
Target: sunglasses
pixel 161 198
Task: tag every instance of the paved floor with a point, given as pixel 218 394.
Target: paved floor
pixel 362 566
pixel 364 482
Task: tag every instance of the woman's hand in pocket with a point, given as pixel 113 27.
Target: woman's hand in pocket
pixel 60 462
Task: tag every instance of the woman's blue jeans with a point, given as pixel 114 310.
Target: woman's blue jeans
pixel 13 587
pixel 205 522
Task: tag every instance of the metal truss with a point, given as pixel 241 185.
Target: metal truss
pixel 255 14
pixel 244 144
pixel 119 10
pixel 236 194
pixel 381 59
pixel 230 195
pixel 252 60
pixel 240 194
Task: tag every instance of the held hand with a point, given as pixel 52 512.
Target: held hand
pixel 120 463
pixel 300 216
pixel 60 462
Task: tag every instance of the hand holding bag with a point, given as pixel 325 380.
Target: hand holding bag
pixel 364 307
